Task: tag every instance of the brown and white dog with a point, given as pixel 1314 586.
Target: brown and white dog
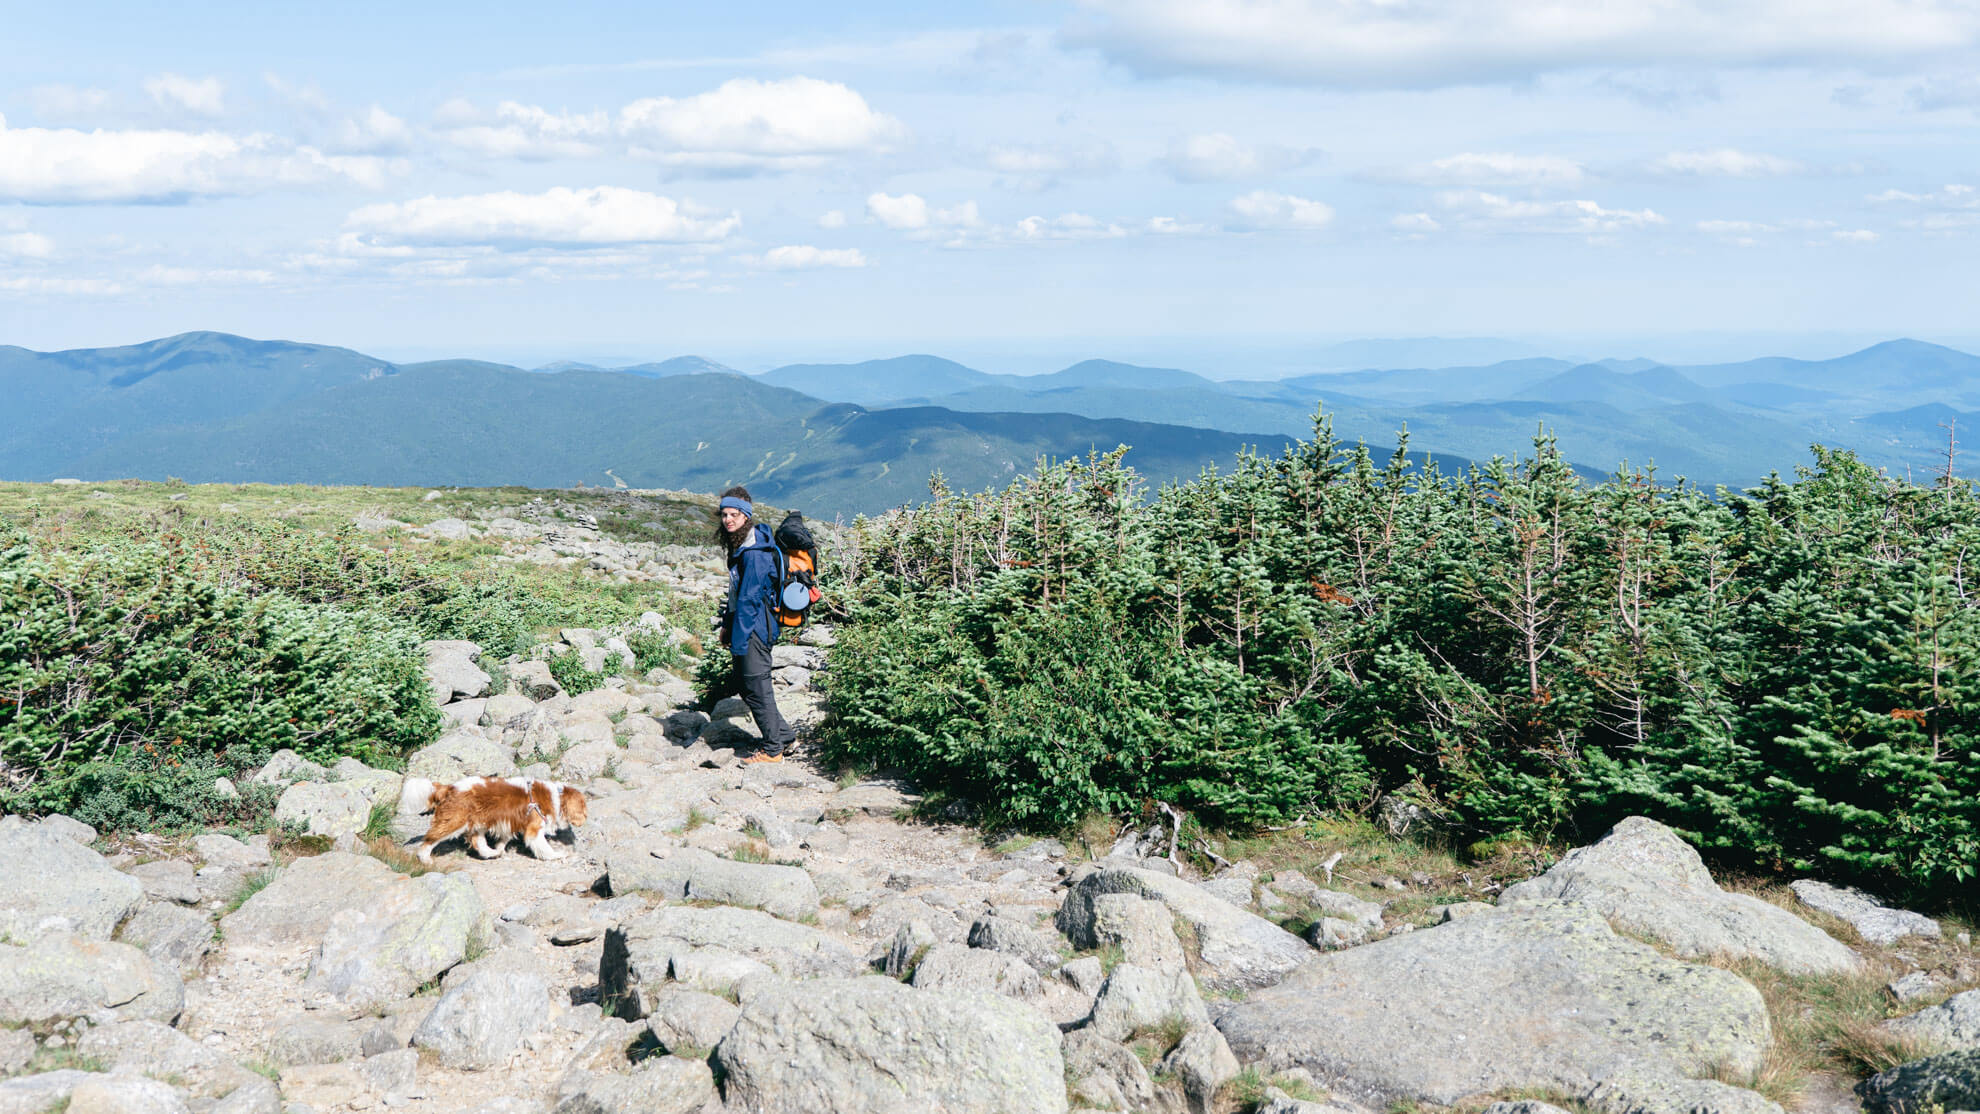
pixel 481 807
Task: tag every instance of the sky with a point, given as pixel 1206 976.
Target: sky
pixel 1221 185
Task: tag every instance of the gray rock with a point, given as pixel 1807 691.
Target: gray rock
pixel 331 810
pixel 1234 888
pixel 881 797
pixel 1638 1092
pixel 1540 995
pixel 690 1021
pixel 1952 1024
pixel 956 967
pixel 286 767
pixel 1013 937
pixel 17 1050
pixel 1346 907
pixel 1448 913
pixel 484 1018
pixel 305 1038
pixel 586 761
pixel 508 712
pixel 1915 986
pixel 220 850
pixel 534 680
pixel 663 1085
pixel 775 830
pixel 1279 1102
pixel 1085 974
pixel 51 883
pixel 873 1045
pixel 68 827
pixel 298 905
pixel 695 875
pixel 392 1071
pixel 38 1094
pixel 911 942
pixel 168 880
pixel 1331 933
pixel 57 977
pixel 1143 930
pixel 176 938
pixel 1950 1081
pixel 451 673
pixel 1524 1106
pixel 1204 1063
pixel 1136 1000
pixel 463 713
pixel 685 727
pixel 158 1050
pixel 1104 1074
pixel 125 1094
pixel 1644 878
pixel 256 1096
pixel 1236 949
pixel 459 755
pixel 1876 922
pixel 411 930
pixel 639 954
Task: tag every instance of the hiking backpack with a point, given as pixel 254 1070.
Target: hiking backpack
pixel 797 581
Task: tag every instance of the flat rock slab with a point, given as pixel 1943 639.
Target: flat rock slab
pixel 1876 922
pixel 640 955
pixel 410 931
pixel 881 797
pixel 1543 995
pixel 664 1085
pixel 1644 878
pixel 51 883
pixel 298 905
pixel 55 978
pixel 1236 950
pixel 460 755
pixel 874 1046
pixel 158 1050
pixel 1953 1024
pixel 484 1018
pixel 334 809
pixel 691 874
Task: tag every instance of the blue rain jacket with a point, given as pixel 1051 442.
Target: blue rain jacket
pixel 754 571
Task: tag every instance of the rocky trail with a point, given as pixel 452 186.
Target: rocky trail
pixel 725 937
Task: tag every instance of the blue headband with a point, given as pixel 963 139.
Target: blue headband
pixel 739 504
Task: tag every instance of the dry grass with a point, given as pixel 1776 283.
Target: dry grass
pixel 395 855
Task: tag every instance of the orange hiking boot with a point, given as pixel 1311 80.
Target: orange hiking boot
pixel 761 757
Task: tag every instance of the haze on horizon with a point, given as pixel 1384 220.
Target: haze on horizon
pixel 1014 185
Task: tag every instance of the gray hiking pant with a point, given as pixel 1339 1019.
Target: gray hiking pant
pixel 753 678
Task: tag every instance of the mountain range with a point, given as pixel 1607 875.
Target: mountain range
pixel 847 438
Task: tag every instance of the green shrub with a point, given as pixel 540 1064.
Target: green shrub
pixel 123 669
pixel 570 672
pixel 654 649
pixel 1788 676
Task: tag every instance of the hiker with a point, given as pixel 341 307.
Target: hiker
pixel 748 622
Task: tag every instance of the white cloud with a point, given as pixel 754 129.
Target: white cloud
pixel 1488 212
pixel 832 219
pixel 205 96
pixel 1265 209
pixel 1726 163
pixel 1497 168
pixel 65 166
pixel 36 284
pixel 1218 157
pixel 308 97
pixel 1950 209
pixel 910 212
pixel 195 276
pixel 1434 43
pixel 747 124
pixel 376 132
pixel 1037 165
pixel 1170 226
pixel 1066 226
pixel 25 245
pixel 804 257
pixel 601 215
pixel 1854 236
pixel 521 131
pixel 1742 233
pixel 1415 224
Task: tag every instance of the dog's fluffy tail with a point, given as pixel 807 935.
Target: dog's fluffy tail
pixel 421 795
